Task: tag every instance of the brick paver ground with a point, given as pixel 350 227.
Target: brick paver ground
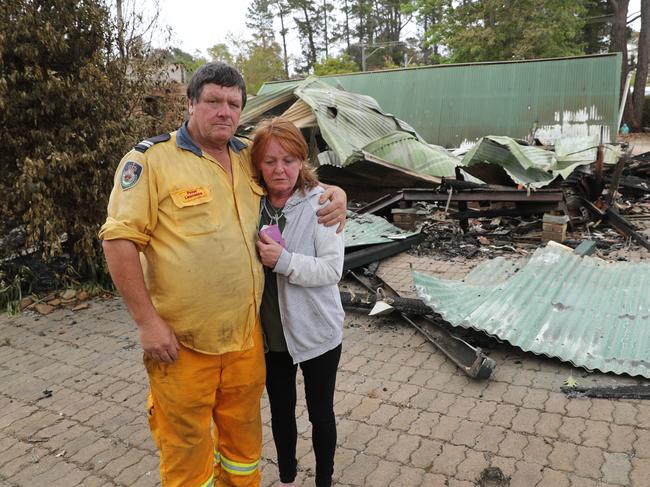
pixel 72 393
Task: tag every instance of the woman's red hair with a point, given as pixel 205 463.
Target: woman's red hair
pixel 291 140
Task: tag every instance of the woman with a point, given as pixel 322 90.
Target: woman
pixel 301 310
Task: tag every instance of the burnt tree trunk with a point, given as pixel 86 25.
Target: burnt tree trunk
pixel 638 97
pixel 619 36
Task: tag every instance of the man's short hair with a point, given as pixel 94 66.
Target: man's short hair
pixel 218 73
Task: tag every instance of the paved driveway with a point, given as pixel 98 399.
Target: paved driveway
pixel 72 393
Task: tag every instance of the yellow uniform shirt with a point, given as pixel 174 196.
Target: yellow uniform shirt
pixel 196 229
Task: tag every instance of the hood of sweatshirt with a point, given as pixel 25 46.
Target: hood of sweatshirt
pixel 298 199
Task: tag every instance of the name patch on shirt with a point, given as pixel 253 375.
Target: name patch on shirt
pixel 130 175
pixel 191 196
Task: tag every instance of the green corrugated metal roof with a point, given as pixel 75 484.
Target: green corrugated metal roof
pixel 533 166
pixel 356 128
pixel 451 104
pixel 370 229
pixel 584 310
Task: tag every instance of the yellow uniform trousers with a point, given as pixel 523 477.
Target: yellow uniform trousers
pixel 204 415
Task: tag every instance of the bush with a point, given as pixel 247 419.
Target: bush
pixel 70 106
pixel 336 65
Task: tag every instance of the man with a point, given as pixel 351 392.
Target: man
pixel 180 245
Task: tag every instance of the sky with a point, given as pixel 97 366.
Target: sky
pixel 199 24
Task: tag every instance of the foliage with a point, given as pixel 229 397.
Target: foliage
pixel 307 17
pixel 336 65
pixel 260 64
pixel 428 14
pixel 71 106
pixel 596 32
pixel 220 52
pixel 260 22
pixel 484 30
pixel 281 9
pixel 190 63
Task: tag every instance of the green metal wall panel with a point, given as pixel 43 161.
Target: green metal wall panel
pixel 454 105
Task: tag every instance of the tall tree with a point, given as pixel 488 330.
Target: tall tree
pixel 307 16
pixel 427 14
pixel 260 22
pixel 326 16
pixel 490 30
pixel 596 32
pixel 641 79
pixel 362 12
pixel 282 10
pixel 620 35
pixel 346 24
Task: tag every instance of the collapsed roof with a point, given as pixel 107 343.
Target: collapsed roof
pixel 387 152
pixel 533 166
pixel 356 130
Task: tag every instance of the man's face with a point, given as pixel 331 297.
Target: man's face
pixel 215 116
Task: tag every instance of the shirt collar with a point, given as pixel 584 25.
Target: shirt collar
pixel 184 141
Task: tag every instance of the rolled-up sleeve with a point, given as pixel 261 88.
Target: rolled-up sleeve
pixel 132 211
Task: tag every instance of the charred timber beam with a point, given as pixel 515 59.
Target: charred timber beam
pixel 460 184
pixel 367 301
pixel 483 195
pixel 613 187
pixel 609 392
pixel 469 192
pixel 618 223
pixel 381 203
pixel 519 211
pixel 469 359
pixel 624 227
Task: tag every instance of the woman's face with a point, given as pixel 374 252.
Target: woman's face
pixel 279 169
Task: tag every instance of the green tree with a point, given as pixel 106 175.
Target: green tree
pixel 336 65
pixel 493 30
pixel 282 10
pixel 220 52
pixel 190 62
pixel 635 110
pixel 307 16
pixel 597 29
pixel 72 104
pixel 260 22
pixel 428 14
pixel 259 65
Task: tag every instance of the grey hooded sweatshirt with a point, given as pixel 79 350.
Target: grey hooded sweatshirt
pixel 307 272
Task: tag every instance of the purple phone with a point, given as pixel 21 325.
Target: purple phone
pixel 273 231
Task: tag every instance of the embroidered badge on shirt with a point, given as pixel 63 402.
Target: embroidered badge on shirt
pixel 194 194
pixel 130 175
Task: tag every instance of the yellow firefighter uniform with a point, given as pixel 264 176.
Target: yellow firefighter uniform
pixel 196 229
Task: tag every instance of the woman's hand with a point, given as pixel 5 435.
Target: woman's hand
pixel 269 250
pixel 336 211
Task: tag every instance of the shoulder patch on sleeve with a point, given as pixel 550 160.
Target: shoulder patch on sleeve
pixel 148 143
pixel 130 176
